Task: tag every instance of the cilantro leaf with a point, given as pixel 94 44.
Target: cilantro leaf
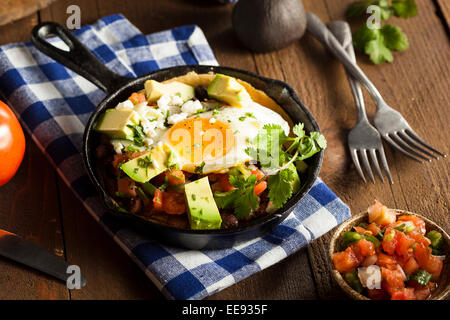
pixel 319 139
pixel 378 52
pixel 280 187
pixel 298 130
pixel 243 199
pixel 363 35
pixel 404 8
pixel 394 38
pixel 138 134
pixel 199 169
pixel 358 8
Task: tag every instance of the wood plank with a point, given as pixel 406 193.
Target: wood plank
pixel 13 10
pixel 29 208
pixel 18 31
pixel 109 271
pixel 418 100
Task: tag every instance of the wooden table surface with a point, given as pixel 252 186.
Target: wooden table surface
pixel 38 205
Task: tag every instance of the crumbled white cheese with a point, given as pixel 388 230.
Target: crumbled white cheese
pixel 212 120
pixel 370 277
pixel 127 104
pixel 117 145
pixel 175 118
pixel 191 107
pixel 163 102
pixel 176 101
pixel 148 141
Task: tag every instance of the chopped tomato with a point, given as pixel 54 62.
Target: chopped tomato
pixel 373 228
pixel 411 266
pixel 259 175
pixel 404 244
pixel 363 231
pixel 419 238
pixel 418 222
pixel 389 242
pixel 366 248
pixel 384 260
pixel 380 214
pixel 393 277
pixel 404 294
pixel 159 179
pixel 426 260
pixel 174 203
pixel 136 98
pixel 158 200
pixel 346 261
pixel 260 187
pixel 126 186
pixel 225 182
pixel 175 177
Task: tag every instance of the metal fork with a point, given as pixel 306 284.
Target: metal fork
pixel 390 123
pixel 363 138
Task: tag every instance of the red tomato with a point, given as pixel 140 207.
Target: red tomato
pixel 12 144
pixel 389 242
pixel 259 175
pixel 345 261
pixel 366 248
pixel 394 278
pixel 426 260
pixel 136 98
pixel 411 266
pixel 126 186
pixel 419 238
pixel 174 203
pixel 260 187
pixel 384 260
pixel 158 200
pixel 373 228
pixel 418 223
pixel 404 294
pixel 403 244
pixel 175 177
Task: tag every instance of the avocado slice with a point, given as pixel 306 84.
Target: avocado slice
pixel 146 166
pixel 114 123
pixel 154 90
pixel 203 212
pixel 227 89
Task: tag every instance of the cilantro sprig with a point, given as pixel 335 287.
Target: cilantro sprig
pixel 378 44
pixel 242 199
pixel 269 149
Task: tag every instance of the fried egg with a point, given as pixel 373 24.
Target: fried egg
pixel 216 140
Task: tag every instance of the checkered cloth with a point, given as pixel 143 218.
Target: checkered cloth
pixel 54 104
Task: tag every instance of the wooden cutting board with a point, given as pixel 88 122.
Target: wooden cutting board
pixel 12 10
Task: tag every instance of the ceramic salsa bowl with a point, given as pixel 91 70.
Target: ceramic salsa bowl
pixel 443 288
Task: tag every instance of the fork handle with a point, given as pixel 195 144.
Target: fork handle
pixel 341 30
pixel 318 29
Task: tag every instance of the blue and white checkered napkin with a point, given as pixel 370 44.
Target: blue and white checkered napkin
pixel 54 105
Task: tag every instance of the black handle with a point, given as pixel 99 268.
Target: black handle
pixel 79 59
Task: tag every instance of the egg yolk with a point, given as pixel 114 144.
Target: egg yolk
pixel 199 139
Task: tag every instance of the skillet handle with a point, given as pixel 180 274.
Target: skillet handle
pixel 79 59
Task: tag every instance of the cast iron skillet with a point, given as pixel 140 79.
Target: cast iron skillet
pixel 119 88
